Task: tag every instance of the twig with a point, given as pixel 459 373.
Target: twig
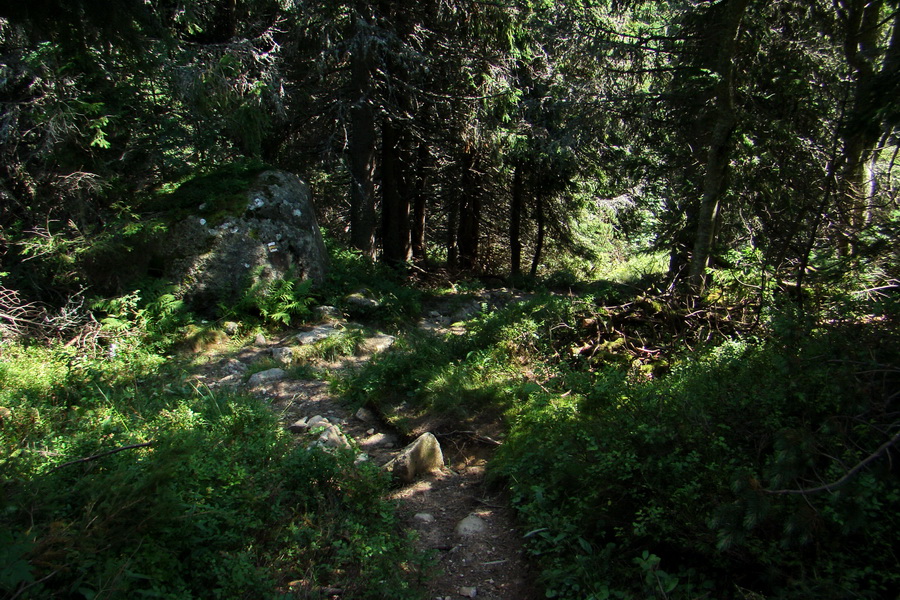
pixel 848 475
pixel 101 455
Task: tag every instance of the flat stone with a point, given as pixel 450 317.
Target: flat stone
pixel 376 344
pixel 267 376
pixel 320 332
pixel 424 517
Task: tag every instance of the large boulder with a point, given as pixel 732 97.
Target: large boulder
pixel 271 232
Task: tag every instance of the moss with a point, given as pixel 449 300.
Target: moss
pixel 215 196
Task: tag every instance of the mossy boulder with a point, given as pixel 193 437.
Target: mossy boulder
pixel 271 233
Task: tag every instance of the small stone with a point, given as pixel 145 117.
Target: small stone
pixel 424 517
pixel 370 432
pixel 468 592
pixel 283 355
pixel 471 525
pixel 230 327
pixel 260 340
pixel 266 376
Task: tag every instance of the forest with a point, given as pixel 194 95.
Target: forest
pixel 689 207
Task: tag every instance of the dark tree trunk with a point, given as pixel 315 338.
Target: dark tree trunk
pixel 361 149
pixel 395 232
pixel 469 215
pixel 515 221
pixel 870 96
pixel 719 150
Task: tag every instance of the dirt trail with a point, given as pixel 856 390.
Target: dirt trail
pixel 469 529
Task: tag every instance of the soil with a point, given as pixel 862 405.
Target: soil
pixel 489 564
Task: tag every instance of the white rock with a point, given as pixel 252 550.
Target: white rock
pixel 468 592
pixel 424 517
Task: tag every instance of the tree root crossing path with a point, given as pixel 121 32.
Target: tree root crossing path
pixel 468 528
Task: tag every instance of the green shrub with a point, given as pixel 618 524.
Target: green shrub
pixel 183 494
pixel 665 487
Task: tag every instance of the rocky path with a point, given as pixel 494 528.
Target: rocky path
pixel 468 528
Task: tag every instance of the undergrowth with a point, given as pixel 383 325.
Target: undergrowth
pixel 180 492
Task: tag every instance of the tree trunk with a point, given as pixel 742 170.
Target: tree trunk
pixel 469 214
pixel 361 150
pixel 419 205
pixel 863 129
pixel 396 247
pixel 539 244
pixel 515 221
pixel 718 154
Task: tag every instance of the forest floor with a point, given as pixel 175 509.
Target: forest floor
pixel 467 527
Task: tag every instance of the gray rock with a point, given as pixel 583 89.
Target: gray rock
pixel 468 592
pixel 266 376
pixel 230 327
pixel 421 457
pixel 358 302
pixel 471 525
pixel 270 235
pixel 378 343
pixel 260 340
pixel 317 421
pixel 327 312
pixel 333 438
pixel 283 355
pixel 320 332
pixel 424 517
pixel 298 426
pixel 233 366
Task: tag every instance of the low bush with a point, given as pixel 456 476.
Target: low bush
pixel 736 474
pixel 119 482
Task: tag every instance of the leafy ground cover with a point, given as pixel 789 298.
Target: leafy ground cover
pixel 184 493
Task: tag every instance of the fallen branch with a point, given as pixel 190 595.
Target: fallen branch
pixel 848 475
pixel 101 455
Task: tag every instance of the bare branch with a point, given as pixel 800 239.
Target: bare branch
pixel 830 487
